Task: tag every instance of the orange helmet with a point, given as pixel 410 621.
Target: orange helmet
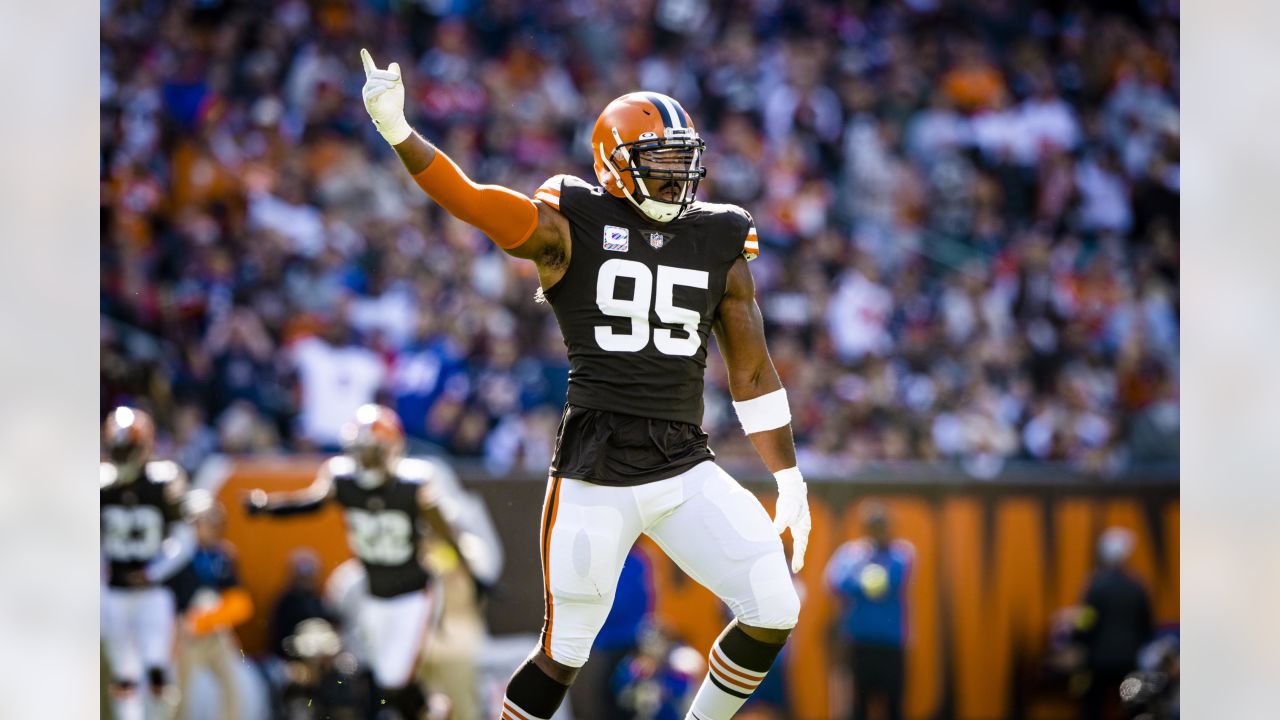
pixel 128 435
pixel 375 438
pixel 638 132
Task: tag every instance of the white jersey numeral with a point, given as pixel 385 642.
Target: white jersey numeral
pixel 669 312
pixel 384 537
pixel 132 534
pixel 636 308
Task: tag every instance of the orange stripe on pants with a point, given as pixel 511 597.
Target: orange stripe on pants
pixel 548 524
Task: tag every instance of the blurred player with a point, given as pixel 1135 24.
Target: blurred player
pixel 144 541
pixel 385 498
pixel 638 274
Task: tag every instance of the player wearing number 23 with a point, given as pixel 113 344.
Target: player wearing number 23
pixel 639 274
pixel 388 503
pixel 145 540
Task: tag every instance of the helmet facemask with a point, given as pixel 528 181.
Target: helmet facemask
pixel 664 172
pixel 373 456
pixel 371 463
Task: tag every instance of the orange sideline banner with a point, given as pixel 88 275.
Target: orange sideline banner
pixel 993 563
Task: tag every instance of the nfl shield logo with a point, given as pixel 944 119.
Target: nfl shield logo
pixel 657 240
pixel 616 238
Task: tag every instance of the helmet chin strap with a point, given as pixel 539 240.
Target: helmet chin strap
pixel 655 210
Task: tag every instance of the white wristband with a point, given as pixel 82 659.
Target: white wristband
pixel 396 131
pixel 767 412
pixel 789 478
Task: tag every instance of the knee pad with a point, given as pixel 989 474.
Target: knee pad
pixel 775 602
pixel 157 679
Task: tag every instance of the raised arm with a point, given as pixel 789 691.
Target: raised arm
pixel 293 502
pixel 523 227
pixel 761 402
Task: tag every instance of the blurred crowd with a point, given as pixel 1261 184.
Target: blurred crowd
pixel 968 213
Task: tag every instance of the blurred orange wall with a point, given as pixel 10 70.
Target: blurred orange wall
pixel 991 568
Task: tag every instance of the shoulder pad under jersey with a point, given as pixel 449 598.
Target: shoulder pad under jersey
pixel 413 470
pixel 341 466
pixel 163 471
pixel 550 191
pixel 106 474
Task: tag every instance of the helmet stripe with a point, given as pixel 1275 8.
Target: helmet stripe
pixel 667 108
pixel 682 114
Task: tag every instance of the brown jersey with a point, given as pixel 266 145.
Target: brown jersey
pixel 135 516
pixel 635 307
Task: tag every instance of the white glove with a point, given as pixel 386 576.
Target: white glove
pixel 384 99
pixel 792 512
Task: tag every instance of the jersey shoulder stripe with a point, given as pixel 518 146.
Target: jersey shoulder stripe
pixel 750 240
pixel 550 192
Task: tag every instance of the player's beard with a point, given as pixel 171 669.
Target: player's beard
pixel 670 191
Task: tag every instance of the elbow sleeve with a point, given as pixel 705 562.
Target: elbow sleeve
pixel 506 216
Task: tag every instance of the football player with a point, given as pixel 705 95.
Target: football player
pixel 639 274
pixel 145 540
pixel 386 500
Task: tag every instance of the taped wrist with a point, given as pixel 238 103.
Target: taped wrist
pixel 506 216
pixel 767 412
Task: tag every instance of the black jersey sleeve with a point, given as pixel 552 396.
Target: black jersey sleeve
pixel 746 243
pixel 173 480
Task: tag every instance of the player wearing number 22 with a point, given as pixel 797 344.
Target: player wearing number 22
pixel 145 540
pixel 388 503
pixel 639 274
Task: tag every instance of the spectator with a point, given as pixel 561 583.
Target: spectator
pixel 657 679
pixel 336 376
pixel 885 153
pixel 211 603
pixel 870 575
pixel 300 600
pixel 1114 623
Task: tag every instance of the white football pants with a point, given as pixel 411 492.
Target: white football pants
pixel 137 631
pixel 394 632
pixel 708 524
